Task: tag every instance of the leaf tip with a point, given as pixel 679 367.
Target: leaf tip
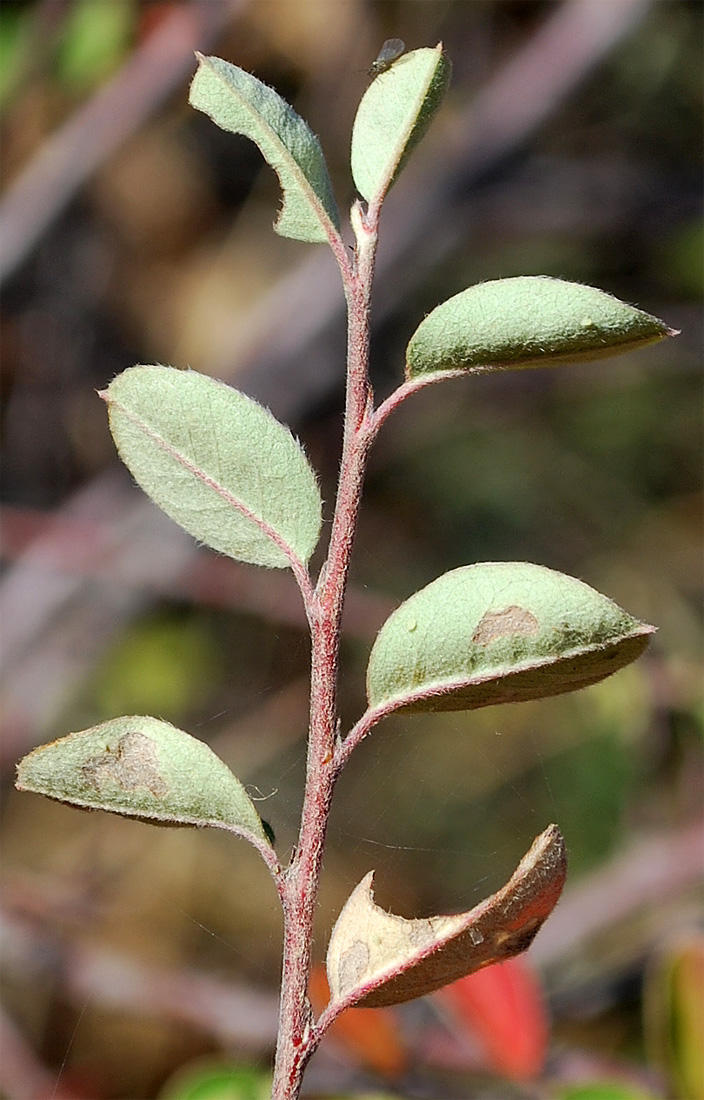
pixel 550 846
pixel 367 883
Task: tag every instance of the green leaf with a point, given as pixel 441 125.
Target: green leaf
pixel 217 463
pixel 96 38
pixel 142 767
pixel 211 1079
pixel 394 113
pixel 528 321
pixel 498 632
pixel 240 103
pixel 377 958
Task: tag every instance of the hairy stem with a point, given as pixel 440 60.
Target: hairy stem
pixel 297 1037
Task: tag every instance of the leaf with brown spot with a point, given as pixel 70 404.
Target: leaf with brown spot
pixel 498 632
pixel 502 624
pixel 377 958
pixel 144 768
pixel 133 763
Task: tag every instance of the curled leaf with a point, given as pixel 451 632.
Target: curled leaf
pixel 377 958
pixel 217 463
pixel 240 103
pixel 498 632
pixel 394 113
pixel 527 321
pixel 142 767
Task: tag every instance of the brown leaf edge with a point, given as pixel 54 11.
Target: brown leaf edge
pixel 435 951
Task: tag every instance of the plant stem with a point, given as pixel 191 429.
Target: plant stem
pixel 297 1038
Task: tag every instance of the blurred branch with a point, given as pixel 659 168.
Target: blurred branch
pixel 533 84
pixel 648 873
pixel 57 620
pixel 58 543
pixel 55 625
pixel 231 1012
pixel 72 154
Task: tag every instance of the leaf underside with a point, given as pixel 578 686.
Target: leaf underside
pixel 392 117
pixel 238 102
pixel 498 632
pixel 142 767
pixel 377 958
pixel 217 463
pixel 527 321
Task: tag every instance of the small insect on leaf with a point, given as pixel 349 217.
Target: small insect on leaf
pixel 389 52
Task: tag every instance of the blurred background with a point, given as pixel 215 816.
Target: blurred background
pixel 133 230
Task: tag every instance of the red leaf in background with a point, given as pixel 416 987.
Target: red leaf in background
pixel 503 1007
pixel 370 1035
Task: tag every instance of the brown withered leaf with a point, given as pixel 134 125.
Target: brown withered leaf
pixel 377 958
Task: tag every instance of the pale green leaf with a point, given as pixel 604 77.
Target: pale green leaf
pixel 527 321
pixel 377 958
pixel 142 767
pixel 394 113
pixel 240 103
pixel 216 462
pixel 95 40
pixel 498 632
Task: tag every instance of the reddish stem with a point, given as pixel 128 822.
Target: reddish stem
pixel 298 1034
pixel 297 1038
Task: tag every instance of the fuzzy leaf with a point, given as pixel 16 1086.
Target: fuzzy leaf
pixel 240 103
pixel 142 767
pixel 528 321
pixel 498 632
pixel 377 958
pixel 394 113
pixel 217 463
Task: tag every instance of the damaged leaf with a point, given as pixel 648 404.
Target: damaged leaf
pixel 377 958
pixel 145 768
pixel 498 632
pixel 240 103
